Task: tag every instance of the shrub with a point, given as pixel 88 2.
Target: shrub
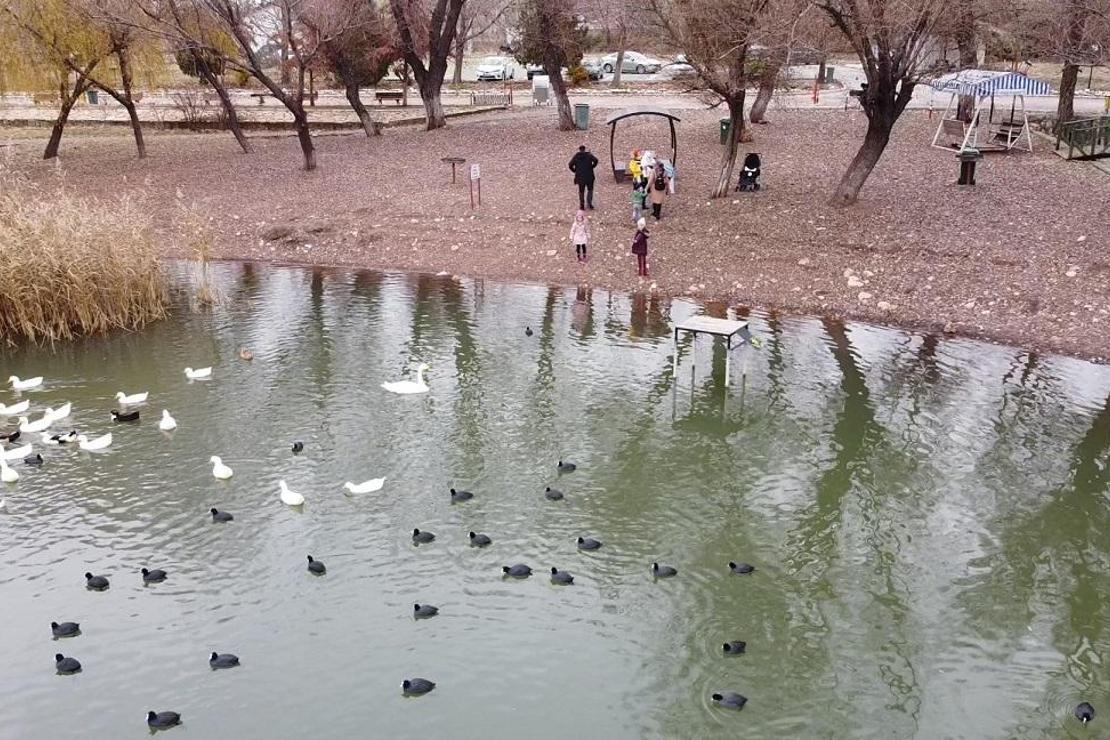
pixel 72 266
pixel 578 75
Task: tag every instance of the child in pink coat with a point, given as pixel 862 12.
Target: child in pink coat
pixel 580 234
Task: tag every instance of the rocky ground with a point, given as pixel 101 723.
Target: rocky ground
pixel 1020 258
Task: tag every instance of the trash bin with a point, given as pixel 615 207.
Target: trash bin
pixel 968 159
pixel 581 116
pixel 829 75
pixel 91 96
pixel 726 129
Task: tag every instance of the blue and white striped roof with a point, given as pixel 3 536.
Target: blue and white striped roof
pixel 984 82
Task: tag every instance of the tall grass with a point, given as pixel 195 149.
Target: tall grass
pixel 197 237
pixel 71 266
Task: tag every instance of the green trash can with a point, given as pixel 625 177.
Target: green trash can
pixel 829 75
pixel 726 129
pixel 581 116
pixel 91 96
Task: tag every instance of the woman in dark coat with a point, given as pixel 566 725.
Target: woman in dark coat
pixel 640 247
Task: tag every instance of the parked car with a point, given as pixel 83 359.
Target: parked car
pixel 593 68
pixel 634 61
pixel 534 69
pixel 679 67
pixel 496 68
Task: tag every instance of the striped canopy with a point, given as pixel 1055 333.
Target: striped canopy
pixel 984 82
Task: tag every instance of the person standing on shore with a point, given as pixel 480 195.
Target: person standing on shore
pixel 582 165
pixel 580 234
pixel 639 200
pixel 634 169
pixel 658 190
pixel 640 247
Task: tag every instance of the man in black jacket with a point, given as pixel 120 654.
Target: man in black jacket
pixel 582 165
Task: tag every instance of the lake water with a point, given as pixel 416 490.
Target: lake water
pixel 928 519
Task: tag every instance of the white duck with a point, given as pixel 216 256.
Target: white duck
pixel 31 427
pixel 133 399
pixel 59 413
pixel 16 453
pixel 25 385
pixel 92 445
pixel 168 423
pixel 199 374
pixel 290 498
pixel 220 470
pixel 15 409
pixel 375 484
pixel 7 475
pixel 407 387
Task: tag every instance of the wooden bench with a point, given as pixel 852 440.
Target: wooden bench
pixel 489 98
pixel 261 97
pixel 383 95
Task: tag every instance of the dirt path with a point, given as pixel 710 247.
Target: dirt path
pixel 1020 258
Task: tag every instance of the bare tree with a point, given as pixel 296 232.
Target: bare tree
pixel 426 29
pixel 892 39
pixel 476 19
pixel 716 34
pixel 778 22
pixel 1077 32
pixel 621 20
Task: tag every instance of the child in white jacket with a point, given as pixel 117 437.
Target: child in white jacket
pixel 580 234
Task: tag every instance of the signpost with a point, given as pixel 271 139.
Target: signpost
pixel 475 183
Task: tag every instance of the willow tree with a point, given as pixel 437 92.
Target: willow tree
pixel 716 36
pixel 427 29
pixel 895 41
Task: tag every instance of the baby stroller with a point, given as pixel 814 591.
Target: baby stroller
pixel 749 174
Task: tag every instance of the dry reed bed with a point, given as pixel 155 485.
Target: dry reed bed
pixel 72 266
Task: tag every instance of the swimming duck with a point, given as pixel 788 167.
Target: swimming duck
pixel 31 427
pixel 479 540
pixel 59 439
pixel 422 537
pixel 161 720
pixel 408 387
pixel 34 460
pixel 423 611
pixel 566 467
pixel 742 569
pixel 133 399
pixel 125 416
pixel 65 629
pixel 15 409
pixel 663 571
pixel 460 496
pixel 25 385
pixel 220 516
pixel 92 445
pixel 316 567
pixel 561 576
pixel 168 423
pixel 520 570
pixel 731 700
pixel 16 453
pixel 528 331
pixel 588 543
pixel 7 474
pixel 199 374
pixel 95 583
pixel 553 494
pixel 10 437
pixel 374 484
pixel 298 447
pixel 223 660
pixel 1084 712
pixel 288 497
pixel 417 686
pixel 66 665
pixel 735 647
pixel 219 470
pixel 153 576
pixel 59 413
pixel 245 354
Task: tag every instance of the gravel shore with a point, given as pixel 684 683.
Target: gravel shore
pixel 1020 258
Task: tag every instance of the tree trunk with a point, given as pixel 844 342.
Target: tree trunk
pixel 304 137
pixel 763 98
pixel 433 105
pixel 559 90
pixel 60 122
pixel 368 124
pixel 732 145
pixel 1065 109
pixel 128 101
pixel 460 47
pixel 619 64
pixel 878 134
pixel 228 106
pixel 405 81
pixel 821 70
pixel 966 44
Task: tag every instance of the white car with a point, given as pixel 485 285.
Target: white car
pixel 634 61
pixel 496 68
